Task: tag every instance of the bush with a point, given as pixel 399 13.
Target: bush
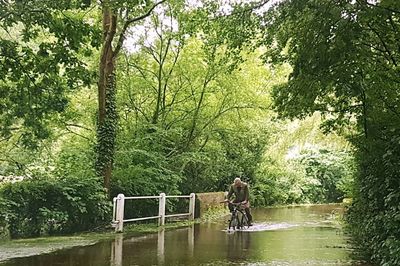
pixel 3 218
pixel 48 206
pixel 277 185
pixel 329 175
pixel 374 217
pixel 136 180
pixel 314 176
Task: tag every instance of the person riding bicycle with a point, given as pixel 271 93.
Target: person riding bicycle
pixel 241 192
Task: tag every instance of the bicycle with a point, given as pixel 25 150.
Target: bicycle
pixel 238 218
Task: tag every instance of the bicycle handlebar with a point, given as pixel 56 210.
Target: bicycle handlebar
pixel 238 203
pixel 233 203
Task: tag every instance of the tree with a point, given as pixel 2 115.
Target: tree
pixel 345 57
pixel 43 45
pixel 114 14
pixel 192 105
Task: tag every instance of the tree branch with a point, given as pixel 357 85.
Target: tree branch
pixel 79 135
pixel 78 126
pixel 129 22
pixel 384 45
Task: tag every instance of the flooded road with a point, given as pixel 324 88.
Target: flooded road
pixel 280 236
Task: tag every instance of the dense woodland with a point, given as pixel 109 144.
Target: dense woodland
pixel 298 97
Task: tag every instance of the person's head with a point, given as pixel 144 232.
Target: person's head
pixel 237 182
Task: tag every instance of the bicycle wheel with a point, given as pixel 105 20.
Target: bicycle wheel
pixel 245 221
pixel 238 223
pixel 233 222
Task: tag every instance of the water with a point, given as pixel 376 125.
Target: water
pixel 280 236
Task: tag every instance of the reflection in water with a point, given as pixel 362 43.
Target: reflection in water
pixel 116 250
pixel 238 246
pixel 281 236
pixel 117 246
pixel 191 240
pixel 160 246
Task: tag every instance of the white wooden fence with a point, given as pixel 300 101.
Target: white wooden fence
pixel 119 205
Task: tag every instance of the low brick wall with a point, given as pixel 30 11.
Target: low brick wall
pixel 209 200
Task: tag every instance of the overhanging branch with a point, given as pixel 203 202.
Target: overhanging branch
pixel 129 22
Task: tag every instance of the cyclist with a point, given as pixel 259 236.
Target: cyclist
pixel 241 192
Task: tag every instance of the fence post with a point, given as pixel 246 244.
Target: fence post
pixel 161 209
pixel 120 213
pixel 192 203
pixel 114 210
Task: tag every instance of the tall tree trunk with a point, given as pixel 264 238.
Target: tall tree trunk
pixel 107 116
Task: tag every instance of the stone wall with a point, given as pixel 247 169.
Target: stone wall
pixel 207 201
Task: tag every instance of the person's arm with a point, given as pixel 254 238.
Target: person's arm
pixel 229 193
pixel 246 193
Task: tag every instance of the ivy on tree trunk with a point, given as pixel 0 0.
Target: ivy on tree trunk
pixel 107 115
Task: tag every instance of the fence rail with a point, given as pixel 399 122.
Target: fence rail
pixel 119 205
pixel 143 197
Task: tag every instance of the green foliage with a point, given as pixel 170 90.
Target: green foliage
pixel 313 176
pixel 4 216
pixel 241 153
pixel 328 175
pixel 374 217
pixel 14 160
pixel 196 116
pixel 54 206
pixel 345 58
pixel 40 56
pixel 142 170
pixel 300 162
pixel 75 159
pixel 274 185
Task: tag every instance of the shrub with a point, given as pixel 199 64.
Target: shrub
pixel 137 179
pixel 3 218
pixel 374 216
pixel 47 206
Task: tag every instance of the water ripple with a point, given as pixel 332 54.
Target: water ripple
pixel 259 227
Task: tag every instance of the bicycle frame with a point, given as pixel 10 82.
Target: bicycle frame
pixel 239 218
